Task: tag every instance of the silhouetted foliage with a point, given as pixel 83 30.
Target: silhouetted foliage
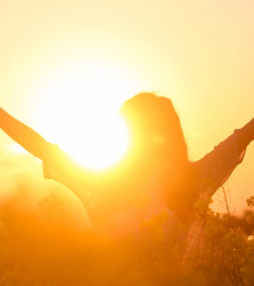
pixel 47 250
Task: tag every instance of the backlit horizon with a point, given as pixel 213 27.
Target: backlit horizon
pixel 71 56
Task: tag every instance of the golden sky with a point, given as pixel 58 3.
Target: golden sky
pixel 70 59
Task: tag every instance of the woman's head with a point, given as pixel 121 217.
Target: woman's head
pixel 157 142
pixel 155 127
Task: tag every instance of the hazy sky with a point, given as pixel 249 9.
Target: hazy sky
pixel 55 55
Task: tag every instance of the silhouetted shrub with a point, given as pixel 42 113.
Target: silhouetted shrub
pixel 47 250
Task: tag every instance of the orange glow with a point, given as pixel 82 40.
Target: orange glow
pixel 200 55
pixel 66 68
pixel 79 103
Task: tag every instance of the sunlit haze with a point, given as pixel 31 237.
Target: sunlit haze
pixel 67 66
pixel 80 103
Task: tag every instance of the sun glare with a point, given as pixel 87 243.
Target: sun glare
pixel 104 145
pixel 77 108
pixel 18 149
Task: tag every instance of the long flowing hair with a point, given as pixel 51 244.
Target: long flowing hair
pixel 158 142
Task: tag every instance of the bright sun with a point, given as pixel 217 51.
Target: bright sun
pixel 78 110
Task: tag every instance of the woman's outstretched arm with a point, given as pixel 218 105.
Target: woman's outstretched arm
pixel 23 135
pixel 246 135
pixel 52 156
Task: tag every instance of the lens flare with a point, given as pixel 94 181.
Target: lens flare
pixel 77 108
pixel 103 146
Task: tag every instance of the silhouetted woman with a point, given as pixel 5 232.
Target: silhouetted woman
pixel 154 186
